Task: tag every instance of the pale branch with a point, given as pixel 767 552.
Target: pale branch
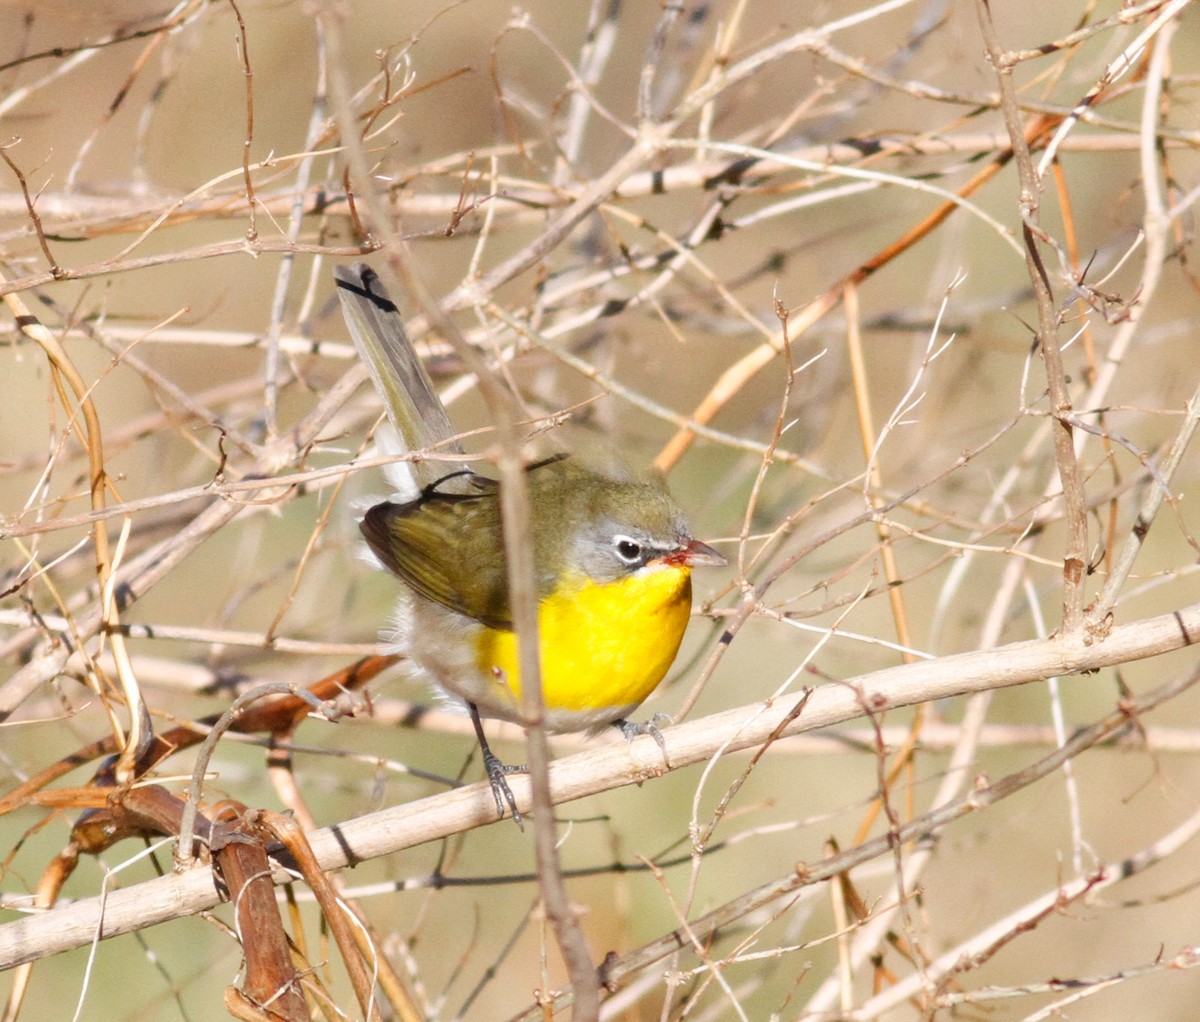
pixel 602 769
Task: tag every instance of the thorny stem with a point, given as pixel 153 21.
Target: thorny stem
pixel 1075 545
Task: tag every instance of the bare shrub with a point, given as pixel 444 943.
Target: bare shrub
pixel 899 295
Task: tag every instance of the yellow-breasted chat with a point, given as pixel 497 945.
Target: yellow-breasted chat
pixel 613 559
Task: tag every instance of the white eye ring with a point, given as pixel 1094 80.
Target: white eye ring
pixel 628 549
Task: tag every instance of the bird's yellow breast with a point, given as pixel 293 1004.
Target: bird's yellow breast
pixel 601 646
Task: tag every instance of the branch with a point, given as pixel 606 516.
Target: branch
pixel 615 766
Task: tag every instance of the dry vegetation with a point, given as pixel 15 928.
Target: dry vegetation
pixel 901 297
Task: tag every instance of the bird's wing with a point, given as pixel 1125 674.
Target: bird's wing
pixel 448 548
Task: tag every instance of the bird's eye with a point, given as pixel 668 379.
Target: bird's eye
pixel 629 550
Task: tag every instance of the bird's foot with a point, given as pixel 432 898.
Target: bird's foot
pixel 632 730
pixel 496 771
pixel 501 792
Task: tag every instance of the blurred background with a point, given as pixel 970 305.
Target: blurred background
pixel 178 185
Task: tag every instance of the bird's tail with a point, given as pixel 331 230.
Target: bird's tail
pixel 412 405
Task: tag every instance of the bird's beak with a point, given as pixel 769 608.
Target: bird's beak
pixel 697 553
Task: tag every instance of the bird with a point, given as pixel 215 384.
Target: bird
pixel 613 556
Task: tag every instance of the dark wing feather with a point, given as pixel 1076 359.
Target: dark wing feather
pixel 448 548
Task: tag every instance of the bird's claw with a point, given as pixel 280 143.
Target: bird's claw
pixel 501 792
pixel 632 730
